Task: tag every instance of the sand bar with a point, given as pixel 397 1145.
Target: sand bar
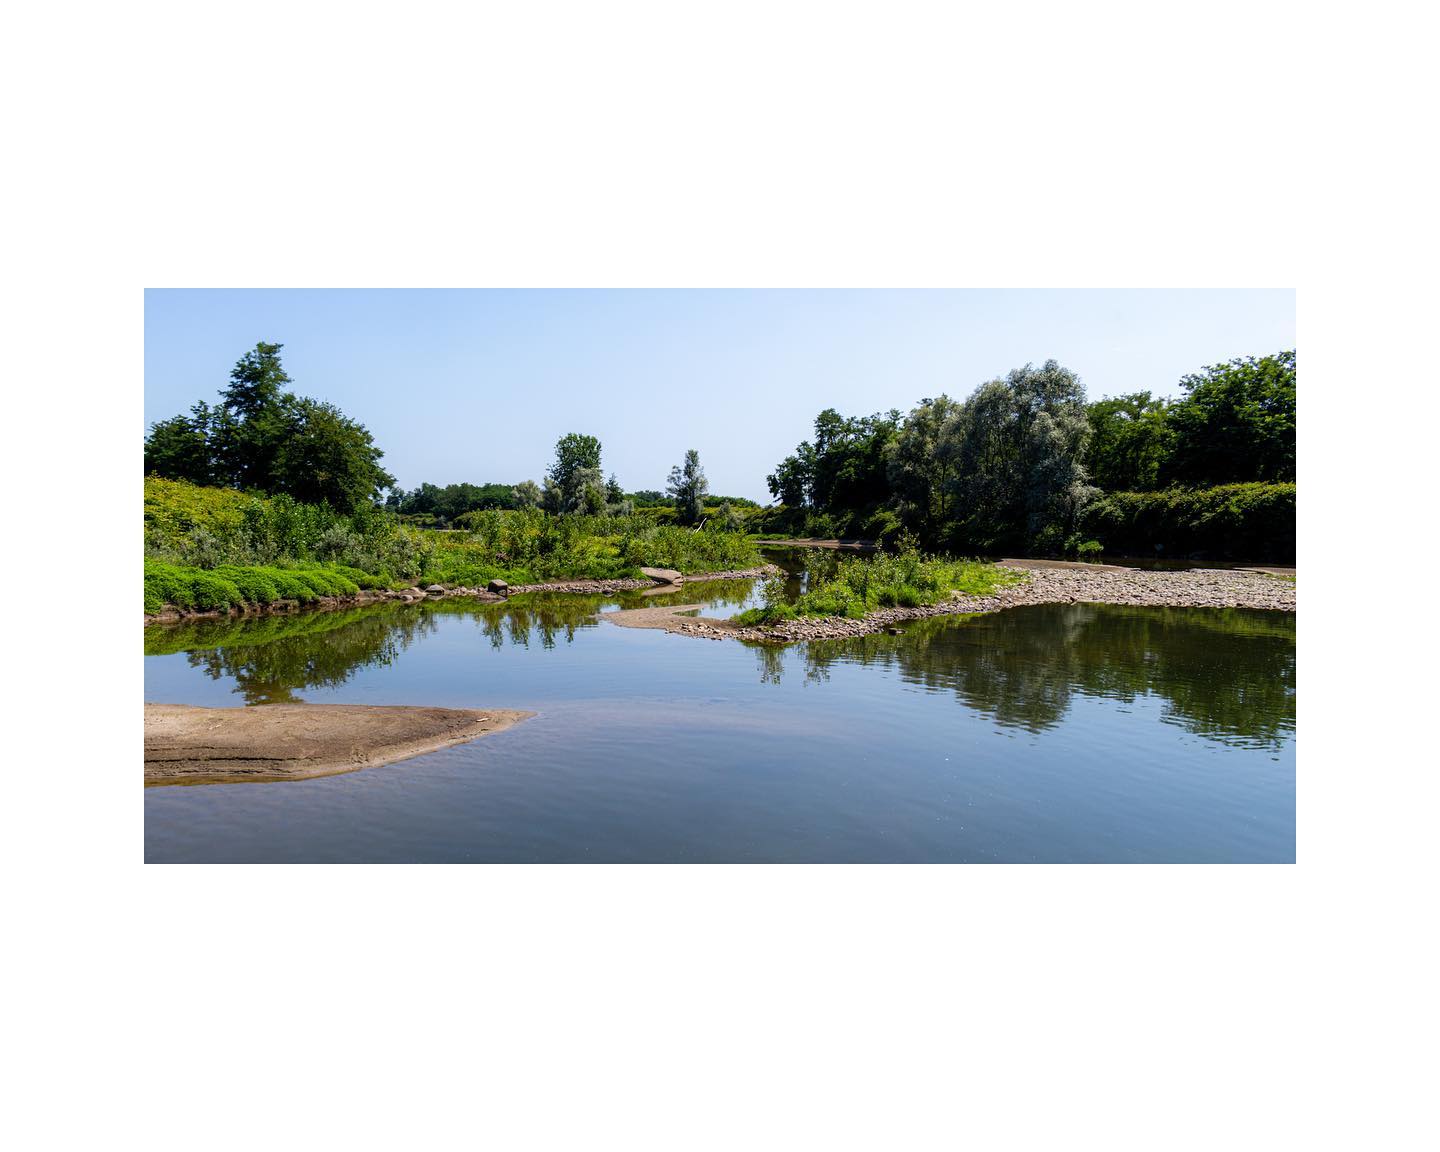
pixel 267 742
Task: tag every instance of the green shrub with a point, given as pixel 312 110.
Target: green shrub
pixel 325 582
pixel 1089 550
pixel 197 589
pixel 1235 521
pixel 854 586
pixel 212 593
pixel 189 588
pixel 255 584
pixel 884 527
pixel 291 587
pixel 308 551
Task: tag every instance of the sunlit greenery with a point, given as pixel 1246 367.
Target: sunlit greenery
pixel 527 547
pixel 261 437
pixel 854 586
pixel 1253 521
pixel 1015 467
pixel 208 549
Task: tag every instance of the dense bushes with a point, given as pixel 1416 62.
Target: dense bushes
pixel 1242 521
pixel 206 548
pixel 215 527
pixel 525 547
pixel 1011 470
pixel 853 586
pixel 230 585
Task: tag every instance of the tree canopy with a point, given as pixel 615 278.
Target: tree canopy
pixel 844 466
pixel 264 438
pixel 1019 461
pixel 1130 440
pixel 688 486
pixel 575 482
pixel 1235 423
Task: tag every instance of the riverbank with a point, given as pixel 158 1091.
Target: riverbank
pixel 1197 588
pixel 191 745
pixel 171 614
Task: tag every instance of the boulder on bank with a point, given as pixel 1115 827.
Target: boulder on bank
pixel 499 587
pixel 436 590
pixel 663 575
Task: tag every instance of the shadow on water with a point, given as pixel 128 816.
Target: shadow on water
pixel 1224 674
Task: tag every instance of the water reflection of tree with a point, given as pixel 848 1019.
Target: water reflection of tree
pixel 270 658
pixel 1228 675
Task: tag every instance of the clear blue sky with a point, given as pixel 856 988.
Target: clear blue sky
pixel 477 385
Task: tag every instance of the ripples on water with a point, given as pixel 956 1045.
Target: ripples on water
pixel 1066 732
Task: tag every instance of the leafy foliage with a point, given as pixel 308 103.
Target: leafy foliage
pixel 1243 521
pixel 1016 465
pixel 213 527
pixel 444 505
pixel 269 440
pixel 1130 441
pixel 853 586
pixel 687 487
pixel 234 586
pixel 527 547
pixel 575 482
pixel 844 467
pixel 1236 423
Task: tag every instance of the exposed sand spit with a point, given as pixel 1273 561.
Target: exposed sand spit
pixel 189 745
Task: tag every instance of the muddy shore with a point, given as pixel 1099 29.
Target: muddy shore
pixel 191 745
pixel 1197 588
pixel 172 614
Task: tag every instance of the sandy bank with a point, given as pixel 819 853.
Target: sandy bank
pixel 187 745
pixel 1088 584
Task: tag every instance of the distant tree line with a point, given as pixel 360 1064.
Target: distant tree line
pixel 1016 465
pixel 263 438
pixel 453 500
pixel 575 483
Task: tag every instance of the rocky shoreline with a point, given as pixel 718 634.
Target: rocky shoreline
pixel 172 614
pixel 1197 588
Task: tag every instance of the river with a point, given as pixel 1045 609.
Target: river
pixel 1064 733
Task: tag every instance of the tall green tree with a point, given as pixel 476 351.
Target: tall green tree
pixel 843 469
pixel 1020 478
pixel 265 438
pixel 793 479
pixel 688 486
pixel 1236 423
pixel 180 448
pixel 324 457
pixel 253 418
pixel 575 482
pixel 1130 441
pixel 922 463
pixel 527 494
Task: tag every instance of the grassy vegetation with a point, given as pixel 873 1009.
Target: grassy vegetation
pixel 854 586
pixel 207 549
pixel 232 585
pixel 528 547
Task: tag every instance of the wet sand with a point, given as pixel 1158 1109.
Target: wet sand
pixel 268 742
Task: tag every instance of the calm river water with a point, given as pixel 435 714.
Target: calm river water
pixel 1062 733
